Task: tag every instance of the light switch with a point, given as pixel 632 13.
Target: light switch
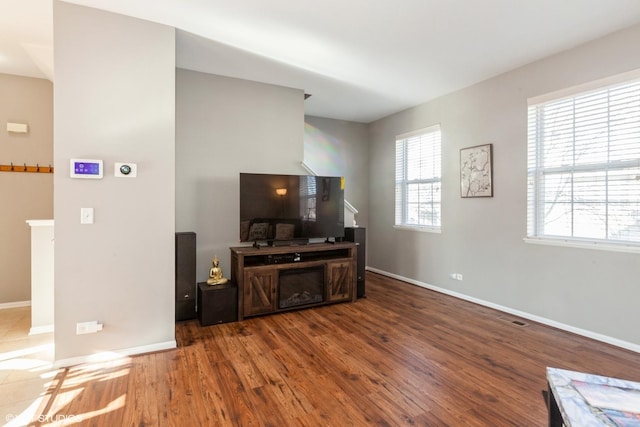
pixel 86 215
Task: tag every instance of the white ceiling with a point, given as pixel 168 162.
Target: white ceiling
pixel 360 59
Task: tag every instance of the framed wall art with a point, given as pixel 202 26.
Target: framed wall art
pixel 476 171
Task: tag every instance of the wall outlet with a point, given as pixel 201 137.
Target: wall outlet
pixel 455 276
pixel 88 327
pixel 459 276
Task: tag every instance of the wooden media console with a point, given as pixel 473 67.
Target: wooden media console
pixel 275 279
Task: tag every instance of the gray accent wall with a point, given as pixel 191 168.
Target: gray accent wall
pixel 482 239
pixel 114 99
pixel 341 148
pixel 225 126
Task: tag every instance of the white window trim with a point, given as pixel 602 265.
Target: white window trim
pixel 586 244
pixel 576 242
pixel 421 228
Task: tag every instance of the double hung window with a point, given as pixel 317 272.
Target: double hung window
pixel 418 179
pixel 584 166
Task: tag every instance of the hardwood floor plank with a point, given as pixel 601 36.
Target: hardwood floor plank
pixel 144 392
pixel 181 387
pixel 404 355
pixel 278 375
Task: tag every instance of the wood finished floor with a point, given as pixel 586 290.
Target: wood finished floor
pixel 402 356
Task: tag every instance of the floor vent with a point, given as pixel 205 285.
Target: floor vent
pixel 511 320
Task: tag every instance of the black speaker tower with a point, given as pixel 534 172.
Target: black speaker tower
pixel 358 236
pixel 185 276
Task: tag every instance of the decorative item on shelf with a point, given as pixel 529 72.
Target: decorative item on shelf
pixel 215 274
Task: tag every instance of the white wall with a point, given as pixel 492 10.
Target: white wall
pixel 24 195
pixel 114 100
pixel 225 126
pixel 594 291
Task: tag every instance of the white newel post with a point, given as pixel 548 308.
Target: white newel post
pixel 41 276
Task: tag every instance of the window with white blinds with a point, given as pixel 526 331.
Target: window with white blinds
pixel 308 197
pixel 418 179
pixel 584 166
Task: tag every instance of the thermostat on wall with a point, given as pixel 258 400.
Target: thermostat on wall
pixel 86 168
pixel 128 170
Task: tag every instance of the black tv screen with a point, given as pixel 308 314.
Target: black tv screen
pixel 290 207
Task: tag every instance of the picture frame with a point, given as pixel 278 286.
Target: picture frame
pixel 476 171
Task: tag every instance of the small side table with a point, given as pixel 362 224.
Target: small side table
pixel 217 303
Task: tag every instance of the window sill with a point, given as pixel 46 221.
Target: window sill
pixel 602 246
pixel 418 228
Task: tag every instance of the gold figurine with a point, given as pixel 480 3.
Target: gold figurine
pixel 215 274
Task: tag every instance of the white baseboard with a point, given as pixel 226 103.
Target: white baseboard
pixel 113 355
pixel 585 333
pixel 16 304
pixel 40 329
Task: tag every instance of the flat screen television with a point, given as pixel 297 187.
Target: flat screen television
pixel 290 208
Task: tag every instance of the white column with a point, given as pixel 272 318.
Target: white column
pixel 41 276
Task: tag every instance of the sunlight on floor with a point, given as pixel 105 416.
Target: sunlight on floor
pixel 26 368
pixel 25 417
pixel 54 405
pixel 79 382
pixel 33 392
pixel 59 419
pixel 13 360
pixel 55 402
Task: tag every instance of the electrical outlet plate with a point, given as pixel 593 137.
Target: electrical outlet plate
pixel 88 327
pixel 17 127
